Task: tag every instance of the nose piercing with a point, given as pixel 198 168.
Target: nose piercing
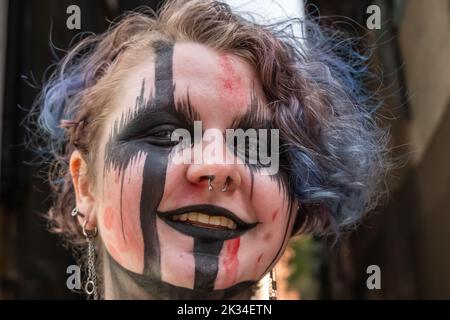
pixel 225 185
pixel 210 179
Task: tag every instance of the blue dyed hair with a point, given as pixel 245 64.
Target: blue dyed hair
pixel 333 151
pixel 337 153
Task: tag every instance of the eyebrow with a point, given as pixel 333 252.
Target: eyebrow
pixel 254 118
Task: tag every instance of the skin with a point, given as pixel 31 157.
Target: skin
pixel 145 257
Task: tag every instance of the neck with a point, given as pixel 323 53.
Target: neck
pixel 121 283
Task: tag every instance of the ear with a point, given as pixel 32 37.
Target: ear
pixel 83 186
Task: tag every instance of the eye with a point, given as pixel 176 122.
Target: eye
pixel 160 135
pixel 163 134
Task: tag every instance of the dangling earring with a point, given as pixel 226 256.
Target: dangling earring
pixel 91 285
pixel 273 285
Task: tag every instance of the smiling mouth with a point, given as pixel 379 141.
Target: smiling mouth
pixel 206 221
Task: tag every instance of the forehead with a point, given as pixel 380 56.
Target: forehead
pixel 226 78
pixel 218 83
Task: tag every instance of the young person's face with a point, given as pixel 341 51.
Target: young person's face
pixel 225 240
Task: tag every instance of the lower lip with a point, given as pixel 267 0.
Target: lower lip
pixel 200 232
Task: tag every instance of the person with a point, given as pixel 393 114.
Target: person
pixel 151 227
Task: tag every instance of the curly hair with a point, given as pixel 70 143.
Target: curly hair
pixel 333 150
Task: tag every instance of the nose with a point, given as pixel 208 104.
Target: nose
pixel 215 177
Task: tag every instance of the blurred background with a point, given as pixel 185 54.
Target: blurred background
pixel 408 238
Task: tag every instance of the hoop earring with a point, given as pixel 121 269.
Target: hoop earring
pixel 273 285
pixel 91 285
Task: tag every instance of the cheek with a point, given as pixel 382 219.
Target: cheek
pixel 119 215
pixel 271 203
pixel 265 245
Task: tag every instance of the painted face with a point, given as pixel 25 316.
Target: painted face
pixel 166 234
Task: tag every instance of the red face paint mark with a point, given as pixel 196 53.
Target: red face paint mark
pixel 260 257
pixel 230 261
pixel 274 215
pixel 108 218
pixel 231 86
pixel 114 253
pixel 228 84
pixel 256 265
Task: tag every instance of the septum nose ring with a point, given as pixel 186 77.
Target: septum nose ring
pixel 225 185
pixel 210 179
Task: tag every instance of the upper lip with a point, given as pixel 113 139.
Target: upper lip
pixel 211 210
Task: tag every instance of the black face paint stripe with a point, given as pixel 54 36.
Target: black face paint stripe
pixel 157 289
pixel 186 111
pixel 120 154
pixel 164 86
pixel 206 254
pixel 155 167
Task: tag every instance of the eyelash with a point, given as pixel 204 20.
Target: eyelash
pixel 244 153
pixel 159 135
pixel 167 135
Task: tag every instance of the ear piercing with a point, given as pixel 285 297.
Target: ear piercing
pixel 76 212
pixel 91 284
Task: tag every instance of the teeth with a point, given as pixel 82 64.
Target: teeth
pixel 206 219
pixel 203 218
pixel 192 217
pixel 225 222
pixel 214 220
pixel 231 224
